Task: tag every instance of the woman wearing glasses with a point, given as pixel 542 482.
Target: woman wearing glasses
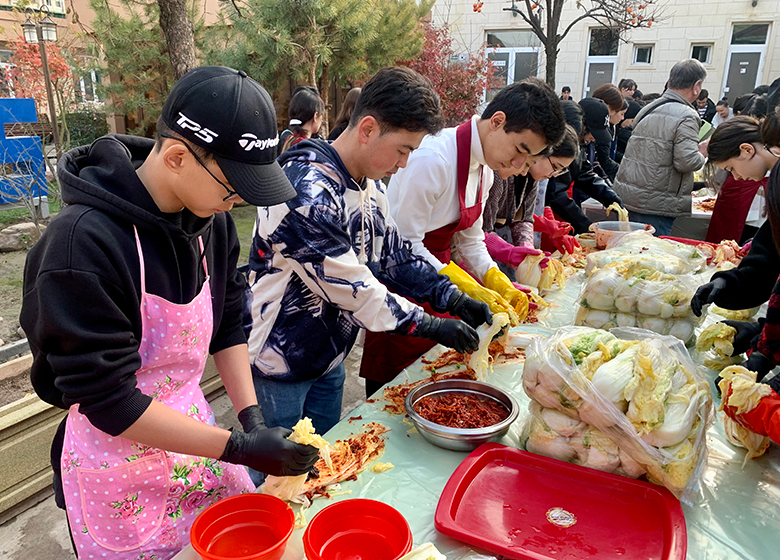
pixel 580 175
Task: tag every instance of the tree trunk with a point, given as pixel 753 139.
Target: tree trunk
pixel 551 55
pixel 179 35
pixel 325 93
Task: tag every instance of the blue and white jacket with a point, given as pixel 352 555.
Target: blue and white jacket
pixel 315 269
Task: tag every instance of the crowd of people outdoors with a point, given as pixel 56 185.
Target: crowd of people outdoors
pixel 417 260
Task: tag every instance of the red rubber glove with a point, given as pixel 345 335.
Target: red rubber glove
pixel 763 420
pixel 555 232
pixel 505 252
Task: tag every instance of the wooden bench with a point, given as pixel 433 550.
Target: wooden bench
pixel 42 128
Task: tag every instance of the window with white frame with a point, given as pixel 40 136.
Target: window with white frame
pixel 514 55
pixel 643 54
pixel 702 53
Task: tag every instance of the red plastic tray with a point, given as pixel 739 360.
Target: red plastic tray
pixel 687 241
pixel 530 507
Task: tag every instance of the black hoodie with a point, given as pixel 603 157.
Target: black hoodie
pixel 82 288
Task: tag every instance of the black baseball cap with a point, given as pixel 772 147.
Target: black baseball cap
pixel 596 119
pixel 231 116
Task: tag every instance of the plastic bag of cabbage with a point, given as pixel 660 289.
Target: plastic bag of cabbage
pixel 629 293
pixel 628 401
pixel 653 253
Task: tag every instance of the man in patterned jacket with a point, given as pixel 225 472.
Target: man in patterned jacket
pixel 321 264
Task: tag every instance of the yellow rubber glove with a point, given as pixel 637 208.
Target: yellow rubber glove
pixel 498 282
pixel 466 283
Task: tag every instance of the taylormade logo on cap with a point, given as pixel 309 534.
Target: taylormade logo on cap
pixel 204 134
pixel 249 141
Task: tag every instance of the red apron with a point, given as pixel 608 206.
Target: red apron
pixel 731 208
pixel 385 354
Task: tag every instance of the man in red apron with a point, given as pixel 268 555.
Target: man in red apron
pixel 131 288
pixel 436 202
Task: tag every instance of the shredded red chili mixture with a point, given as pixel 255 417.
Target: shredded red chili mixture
pixel 461 411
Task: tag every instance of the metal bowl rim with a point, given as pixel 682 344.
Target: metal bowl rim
pixel 446 431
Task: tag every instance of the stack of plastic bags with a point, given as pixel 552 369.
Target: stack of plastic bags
pixel 628 402
pixel 643 282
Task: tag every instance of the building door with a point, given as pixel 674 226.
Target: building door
pixel 598 73
pixel 601 62
pixel 745 59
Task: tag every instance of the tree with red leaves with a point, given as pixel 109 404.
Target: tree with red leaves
pixel 26 74
pixel 460 83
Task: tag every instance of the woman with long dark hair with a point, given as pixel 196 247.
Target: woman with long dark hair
pixel 342 120
pixel 306 113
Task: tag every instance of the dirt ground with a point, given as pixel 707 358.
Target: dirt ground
pixel 11 273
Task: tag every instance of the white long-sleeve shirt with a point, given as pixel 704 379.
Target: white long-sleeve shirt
pixel 423 197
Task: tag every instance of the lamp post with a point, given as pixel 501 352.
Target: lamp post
pixel 38 29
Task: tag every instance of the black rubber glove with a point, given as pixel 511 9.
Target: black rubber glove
pixel 471 310
pixel 452 333
pixel 251 418
pixel 706 294
pixel 760 364
pixel 747 334
pixel 269 451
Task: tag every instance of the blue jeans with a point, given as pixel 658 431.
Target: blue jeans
pixel 662 224
pixel 285 402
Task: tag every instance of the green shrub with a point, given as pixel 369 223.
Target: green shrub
pixel 85 125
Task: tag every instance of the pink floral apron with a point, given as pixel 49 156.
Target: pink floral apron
pixel 130 501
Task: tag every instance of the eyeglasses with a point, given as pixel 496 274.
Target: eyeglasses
pixel 556 171
pixel 231 193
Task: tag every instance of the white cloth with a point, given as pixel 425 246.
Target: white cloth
pixel 423 197
pixel 717 119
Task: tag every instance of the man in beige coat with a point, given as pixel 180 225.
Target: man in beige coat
pixel 655 178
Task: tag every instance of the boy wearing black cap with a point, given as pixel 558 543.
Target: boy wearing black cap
pixel 130 288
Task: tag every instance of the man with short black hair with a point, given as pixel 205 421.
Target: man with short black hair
pixel 437 201
pixel 565 93
pixel 320 265
pixel 655 178
pixel 704 106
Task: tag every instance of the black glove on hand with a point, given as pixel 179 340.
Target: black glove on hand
pixel 251 418
pixel 472 311
pixel 269 451
pixel 747 334
pixel 760 364
pixel 706 294
pixel 452 333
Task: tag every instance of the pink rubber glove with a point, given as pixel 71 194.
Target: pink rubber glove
pixel 507 253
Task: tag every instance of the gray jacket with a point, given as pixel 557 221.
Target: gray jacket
pixel 656 174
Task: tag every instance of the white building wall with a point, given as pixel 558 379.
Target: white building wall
pixel 687 22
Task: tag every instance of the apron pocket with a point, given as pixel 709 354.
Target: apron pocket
pixel 123 506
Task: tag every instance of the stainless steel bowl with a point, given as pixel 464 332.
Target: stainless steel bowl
pixel 459 439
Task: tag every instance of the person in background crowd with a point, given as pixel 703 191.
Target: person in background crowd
pixel 437 202
pixel 131 287
pixel 580 176
pixel 566 93
pixel 650 97
pixel 722 113
pixel 602 152
pixel 704 106
pixel 627 88
pixel 638 95
pixel 306 113
pixel 320 265
pixel 655 178
pixel 623 132
pixel 741 102
pixel 342 120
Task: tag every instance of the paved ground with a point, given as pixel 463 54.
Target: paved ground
pixel 41 533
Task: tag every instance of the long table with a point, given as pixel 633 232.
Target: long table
pixel 736 514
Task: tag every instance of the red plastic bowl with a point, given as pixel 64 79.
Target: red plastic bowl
pixel 357 530
pixel 243 527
